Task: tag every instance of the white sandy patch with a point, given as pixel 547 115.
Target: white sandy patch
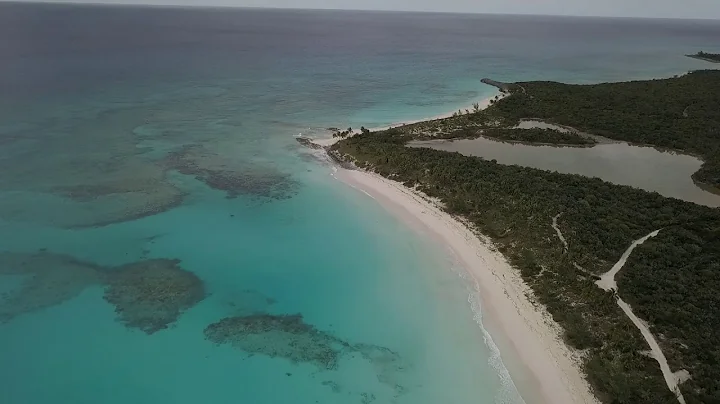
pixel 525 331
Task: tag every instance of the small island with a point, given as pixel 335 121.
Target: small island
pixel 708 57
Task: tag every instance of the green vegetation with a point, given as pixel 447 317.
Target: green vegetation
pixel 534 135
pixel 671 281
pixel 680 113
pixel 710 57
pixel 537 135
pixel 343 134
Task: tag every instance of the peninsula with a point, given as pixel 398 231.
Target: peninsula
pixel 708 57
pixel 503 87
pixel 651 335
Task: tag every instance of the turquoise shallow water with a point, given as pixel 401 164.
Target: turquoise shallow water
pixel 173 140
pixel 268 259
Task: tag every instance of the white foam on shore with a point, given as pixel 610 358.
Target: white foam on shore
pixel 532 340
pixel 510 392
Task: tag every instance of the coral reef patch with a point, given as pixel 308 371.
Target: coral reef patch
pixel 46 280
pixel 151 295
pixel 233 177
pixel 290 337
pixel 285 336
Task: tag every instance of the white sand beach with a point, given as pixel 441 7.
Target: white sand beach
pixel 545 369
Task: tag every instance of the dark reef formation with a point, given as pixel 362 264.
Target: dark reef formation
pixel 387 364
pixel 234 178
pixel 47 280
pixel 122 198
pixel 307 142
pixel 108 163
pixel 367 398
pixel 285 336
pixel 98 173
pixel 291 338
pixel 151 295
pixel 336 388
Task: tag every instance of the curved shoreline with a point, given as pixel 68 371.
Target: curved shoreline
pixel 488 191
pixel 523 330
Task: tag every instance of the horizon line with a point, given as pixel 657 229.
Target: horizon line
pixel 227 6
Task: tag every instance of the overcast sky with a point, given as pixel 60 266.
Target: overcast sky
pixel 620 8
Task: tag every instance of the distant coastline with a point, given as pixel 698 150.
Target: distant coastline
pixel 708 57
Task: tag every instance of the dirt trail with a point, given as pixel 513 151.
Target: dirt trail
pixel 607 282
pixel 557 230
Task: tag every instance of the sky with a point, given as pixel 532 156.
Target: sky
pixel 707 9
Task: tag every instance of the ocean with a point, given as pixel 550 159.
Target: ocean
pixel 164 238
